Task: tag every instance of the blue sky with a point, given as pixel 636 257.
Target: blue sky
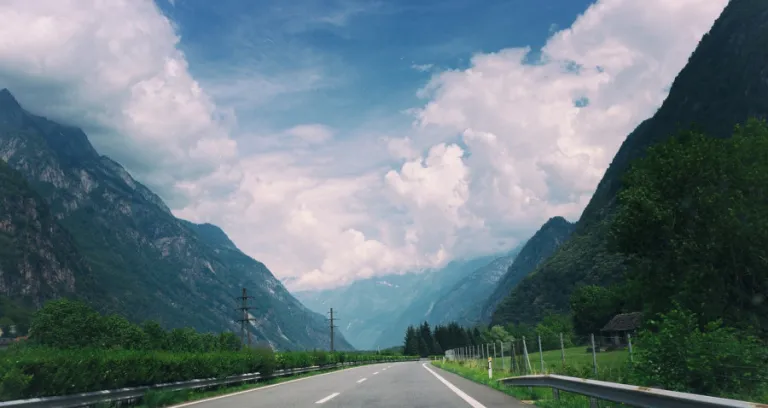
pixel 343 139
pixel 364 52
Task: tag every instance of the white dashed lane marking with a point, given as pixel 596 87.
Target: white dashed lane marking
pixel 326 399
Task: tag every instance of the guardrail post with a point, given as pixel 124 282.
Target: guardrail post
pixel 555 394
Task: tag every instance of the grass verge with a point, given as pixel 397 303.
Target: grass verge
pixel 540 397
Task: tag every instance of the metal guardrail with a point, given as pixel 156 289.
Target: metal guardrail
pixel 135 393
pixel 632 395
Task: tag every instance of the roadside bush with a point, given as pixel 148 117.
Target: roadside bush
pixel 678 354
pixel 38 371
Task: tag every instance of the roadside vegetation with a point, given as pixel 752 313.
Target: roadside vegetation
pixel 692 223
pixel 72 349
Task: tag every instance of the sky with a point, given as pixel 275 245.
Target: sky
pixel 337 140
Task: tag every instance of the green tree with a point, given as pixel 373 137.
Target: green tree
pixel 497 334
pixel 693 221
pixel 5 326
pixel 677 353
pixel 157 338
pixel 592 307
pixel 65 323
pixel 550 328
pixel 411 342
pixel 120 333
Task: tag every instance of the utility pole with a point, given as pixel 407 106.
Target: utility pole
pixel 331 320
pixel 245 317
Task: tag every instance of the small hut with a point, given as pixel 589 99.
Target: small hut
pixel 615 332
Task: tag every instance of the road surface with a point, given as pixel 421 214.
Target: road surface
pixel 400 385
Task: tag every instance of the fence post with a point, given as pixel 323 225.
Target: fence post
pixel 562 349
pixel 541 355
pixel 592 400
pixel 513 358
pixel 629 343
pixel 594 354
pixel 494 352
pixel 527 358
pixel 501 347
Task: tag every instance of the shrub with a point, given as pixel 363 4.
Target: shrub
pixel 678 354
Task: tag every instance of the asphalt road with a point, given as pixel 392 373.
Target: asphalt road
pixel 400 385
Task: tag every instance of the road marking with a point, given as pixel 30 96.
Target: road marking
pixel 361 380
pixel 328 398
pixel 375 373
pixel 260 388
pixel 471 401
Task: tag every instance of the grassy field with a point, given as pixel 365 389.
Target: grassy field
pixel 540 397
pixel 578 362
pixel 612 366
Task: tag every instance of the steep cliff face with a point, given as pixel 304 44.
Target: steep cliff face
pixel 723 84
pixel 153 264
pixel 541 246
pixel 38 258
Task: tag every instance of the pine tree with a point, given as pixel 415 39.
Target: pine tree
pixel 411 342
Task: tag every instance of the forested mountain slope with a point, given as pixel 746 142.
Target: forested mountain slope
pixel 722 85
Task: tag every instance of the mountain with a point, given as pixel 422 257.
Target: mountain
pixel 723 84
pixel 463 302
pixel 433 286
pixel 368 308
pixel 145 263
pixel 541 246
pixel 38 257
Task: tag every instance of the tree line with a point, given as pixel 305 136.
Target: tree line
pixel 424 341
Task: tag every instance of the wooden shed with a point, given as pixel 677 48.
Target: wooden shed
pixel 615 331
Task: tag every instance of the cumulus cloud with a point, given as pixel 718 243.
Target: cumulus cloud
pixel 539 136
pixel 114 69
pixel 496 150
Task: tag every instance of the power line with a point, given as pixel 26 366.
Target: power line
pixel 245 316
pixel 331 320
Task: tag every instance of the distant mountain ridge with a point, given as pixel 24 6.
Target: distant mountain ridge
pixel 375 312
pixel 463 302
pixel 144 262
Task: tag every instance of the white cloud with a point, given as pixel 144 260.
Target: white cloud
pixel 114 69
pixel 532 153
pixel 422 67
pixel 499 147
pixel 312 134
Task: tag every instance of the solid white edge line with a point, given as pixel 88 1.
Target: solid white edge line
pixel 471 401
pixel 326 399
pixel 259 388
pixel 361 380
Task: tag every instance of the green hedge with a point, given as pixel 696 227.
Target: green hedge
pixel 29 372
pixel 37 372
